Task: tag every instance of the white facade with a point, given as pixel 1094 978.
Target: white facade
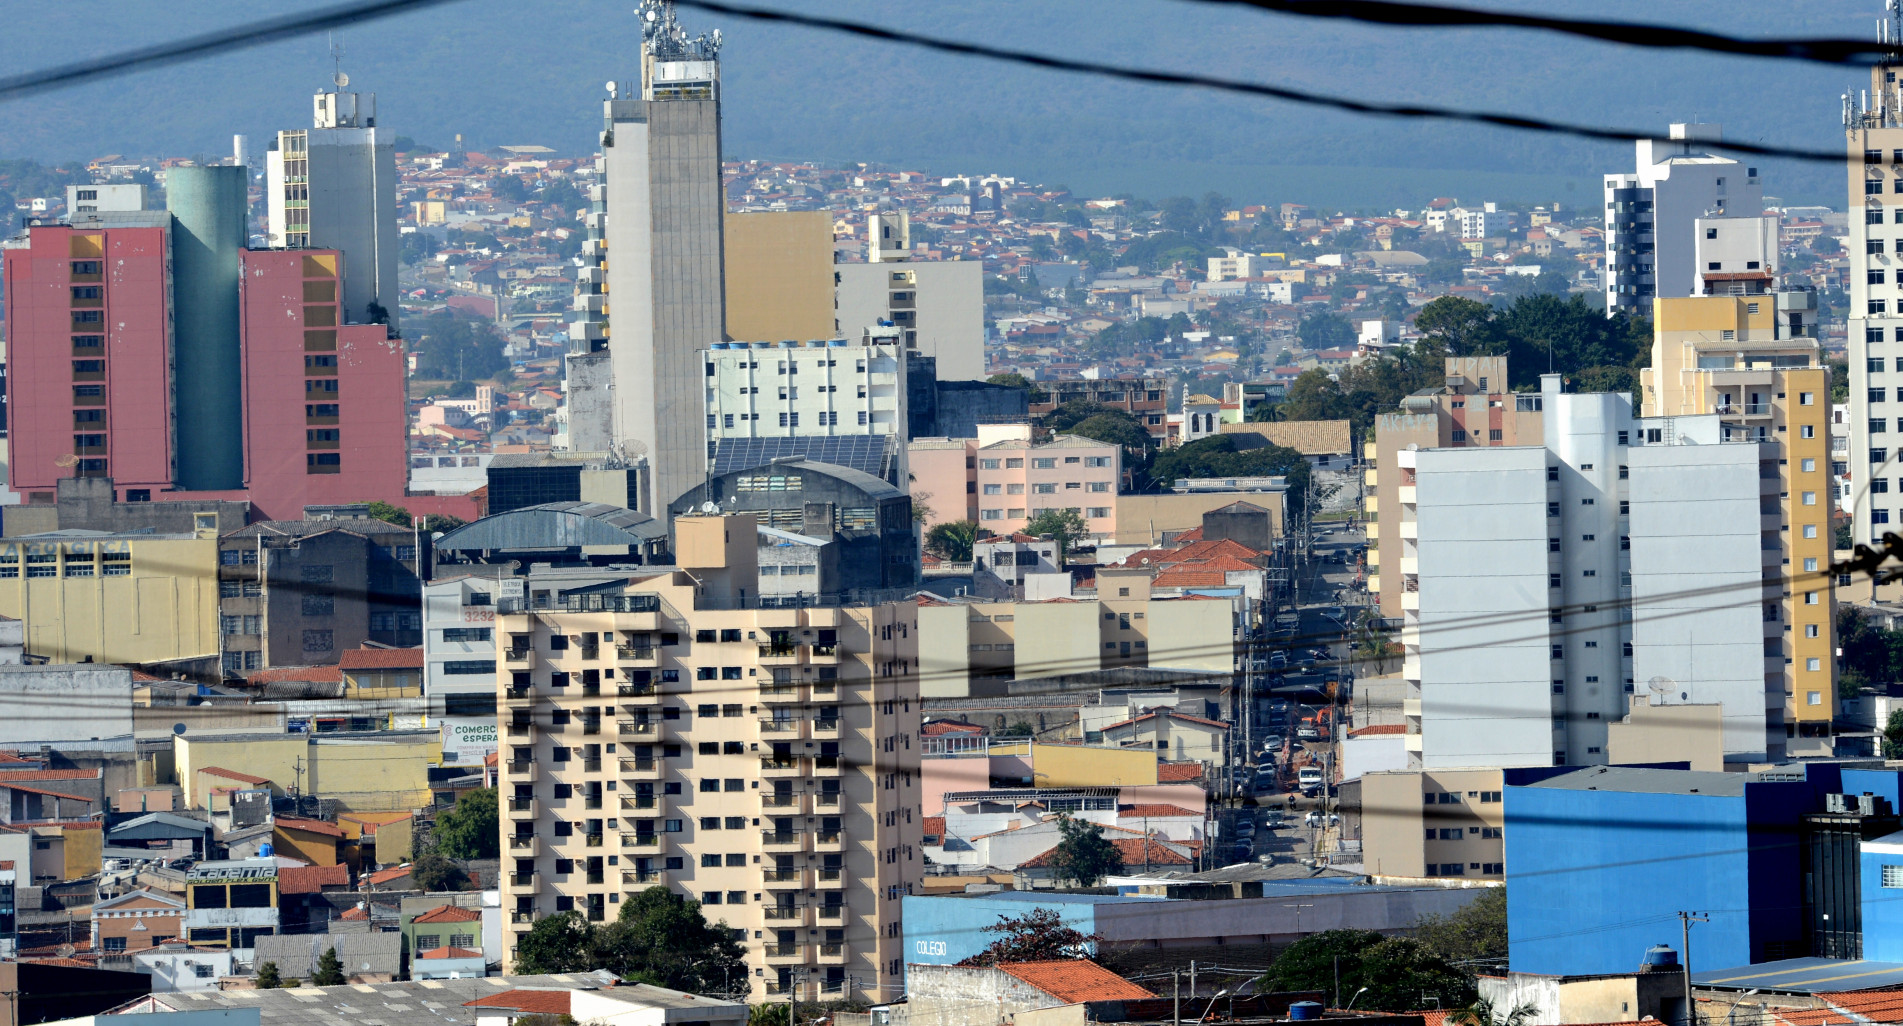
pixel 99 196
pixel 333 186
pixel 785 390
pixel 459 663
pixel 1875 330
pixel 1239 265
pixel 1651 214
pixel 1480 224
pixel 1732 246
pixel 176 969
pixel 1519 565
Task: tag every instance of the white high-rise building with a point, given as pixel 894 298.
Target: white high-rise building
pixel 1873 124
pixel 831 388
pixel 333 186
pixel 938 304
pixel 1651 215
pixel 656 238
pixel 1545 586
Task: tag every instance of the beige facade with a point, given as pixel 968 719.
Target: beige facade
pixel 1145 519
pixel 1749 360
pixel 1433 823
pixel 1668 733
pixel 1475 409
pixel 969 648
pixel 762 761
pixel 132 599
pixel 779 275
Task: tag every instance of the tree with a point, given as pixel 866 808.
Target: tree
pixel 1481 1013
pixel 1040 935
pixel 1313 395
pixel 452 348
pixel 561 943
pixel 1460 327
pixel 330 971
pixel 442 522
pixel 952 541
pixel 776 1014
pixel 416 247
pixel 659 937
pixel 1061 523
pixel 388 513
pixel 1372 642
pixel 1223 456
pixel 1120 429
pixel 1326 329
pixel 1021 728
pixel 1477 931
pixel 1083 855
pixel 432 872
pixel 1893 734
pixel 268 977
pixel 472 828
pixel 1397 972
pixel 1018 381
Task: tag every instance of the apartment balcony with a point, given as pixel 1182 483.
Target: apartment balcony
pixel 829 877
pixel 828 728
pixel 524 846
pixel 1411 707
pixel 784 915
pixel 1374 558
pixel 832 913
pixel 780 691
pixel 829 840
pixel 521 729
pixel 774 876
pixel 518 658
pixel 594 840
pixel 1410 530
pixel 1369 477
pixel 522 809
pixel 827 765
pixel 1410 601
pixel 522 918
pixel 780 768
pixel 641 769
pixel 637 802
pixel 1406 495
pixel 791 840
pixel 639 696
pixel 637 728
pixel 1410 566
pixel 1411 743
pixel 779 655
pixel 784 954
pixel 826 655
pixel 643 878
pixel 1373 506
pixel 782 802
pixel 522 771
pixel 526 881
pixel 636 655
pixel 1742 409
pixel 524 693
pixel 781 729
pixel 649 842
pixel 826 801
pixel 831 954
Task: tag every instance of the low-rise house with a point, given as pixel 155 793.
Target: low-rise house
pixel 1177 735
pixel 365 957
pixel 136 921
pixel 448 964
pixel 950 995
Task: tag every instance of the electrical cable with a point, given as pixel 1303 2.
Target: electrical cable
pixel 1666 37
pixel 1177 78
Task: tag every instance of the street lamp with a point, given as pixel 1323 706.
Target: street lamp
pixel 1351 1001
pixel 1732 1015
pixel 1223 993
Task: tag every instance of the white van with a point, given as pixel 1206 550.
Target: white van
pixel 1309 778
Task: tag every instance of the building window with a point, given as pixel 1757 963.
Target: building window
pixel 1813 664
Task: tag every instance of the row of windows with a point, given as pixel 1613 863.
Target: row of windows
pixel 1456 833
pixel 1091 512
pixel 1043 462
pixel 1047 487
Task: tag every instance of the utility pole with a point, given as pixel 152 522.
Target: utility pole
pixel 1192 979
pixel 1176 997
pixel 1685 921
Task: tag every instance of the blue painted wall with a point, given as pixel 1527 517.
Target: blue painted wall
pixel 943 930
pixel 1882 783
pixel 1882 907
pixel 1596 877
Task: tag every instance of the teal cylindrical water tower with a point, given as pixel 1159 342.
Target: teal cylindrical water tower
pixel 208 207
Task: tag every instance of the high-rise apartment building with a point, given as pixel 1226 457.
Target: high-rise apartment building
pixel 1651 214
pixel 938 304
pixel 1753 359
pixel 762 761
pixel 1873 126
pixel 634 379
pixel 1475 409
pixel 333 186
pixel 1544 585
pixel 831 388
pixel 195 368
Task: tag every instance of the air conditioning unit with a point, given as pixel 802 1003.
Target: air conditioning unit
pixel 1851 804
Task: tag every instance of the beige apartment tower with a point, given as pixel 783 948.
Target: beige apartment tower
pixel 1751 356
pixel 764 762
pixel 780 276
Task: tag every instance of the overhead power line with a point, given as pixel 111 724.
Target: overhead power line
pixel 1664 37
pixel 1177 78
pixel 256 33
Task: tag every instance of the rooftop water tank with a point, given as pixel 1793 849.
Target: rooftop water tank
pixel 1660 958
pixel 264 850
pixel 1304 1010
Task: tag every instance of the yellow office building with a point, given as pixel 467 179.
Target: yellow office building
pixel 137 599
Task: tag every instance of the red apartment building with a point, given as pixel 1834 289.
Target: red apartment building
pixel 92 381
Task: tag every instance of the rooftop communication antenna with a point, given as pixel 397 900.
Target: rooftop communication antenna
pixel 337 76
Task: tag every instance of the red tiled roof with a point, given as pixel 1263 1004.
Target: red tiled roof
pixel 1073 980
pixel 1185 717
pixel 387 875
pixel 449 914
pixel 937 728
pixel 934 826
pixel 1188 578
pixel 7 776
pixel 1152 809
pixel 358 913
pixel 1178 772
pixel 310 826
pixel 1381 728
pixel 279 674
pixel 220 771
pixel 535 1002
pixel 1875 1005
pixel 312 879
pixel 70 963
pixel 11 786
pixel 381 659
pixel 450 953
pixel 1137 851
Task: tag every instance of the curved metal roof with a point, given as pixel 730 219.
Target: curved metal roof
pixel 556 525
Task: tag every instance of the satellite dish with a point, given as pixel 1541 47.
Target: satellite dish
pixel 653 16
pixel 611 89
pixel 709 507
pixel 341 79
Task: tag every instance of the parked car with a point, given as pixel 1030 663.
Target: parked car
pixel 1272 819
pixel 1309 778
pixel 1273 743
pixel 1245 826
pixel 1278 660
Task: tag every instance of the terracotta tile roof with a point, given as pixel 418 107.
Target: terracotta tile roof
pixel 357 913
pixel 1073 980
pixel 1178 772
pixel 381 659
pixel 534 1002
pixel 280 674
pixel 312 879
pixel 450 953
pixel 449 914
pixel 1381 728
pixel 387 875
pixel 1876 1005
pixel 220 771
pixel 1194 534
pixel 1189 579
pixel 1433 1016
pixel 1137 851
pixel 70 963
pixel 8 776
pixel 1212 549
pixel 1185 717
pixel 1152 809
pixel 13 757
pixel 310 826
pixel 1308 437
pixel 938 728
pixel 934 826
pixel 11 786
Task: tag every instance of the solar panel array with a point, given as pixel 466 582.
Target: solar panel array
pixel 865 453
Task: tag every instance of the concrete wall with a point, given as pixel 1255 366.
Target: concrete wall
pixel 779 275
pixel 1143 519
pixel 1650 733
pixel 949 309
pixel 64 703
pixel 1090 766
pixel 1398 808
pixel 946 995
pixel 1191 634
pixel 165 608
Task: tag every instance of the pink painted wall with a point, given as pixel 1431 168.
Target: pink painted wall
pixel 941 474
pixel 939 776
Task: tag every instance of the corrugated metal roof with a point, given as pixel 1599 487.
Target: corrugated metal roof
pixel 556 525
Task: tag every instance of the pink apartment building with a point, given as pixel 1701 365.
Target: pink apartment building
pixel 1002 480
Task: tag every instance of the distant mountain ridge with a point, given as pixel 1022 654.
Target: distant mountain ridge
pixel 502 73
